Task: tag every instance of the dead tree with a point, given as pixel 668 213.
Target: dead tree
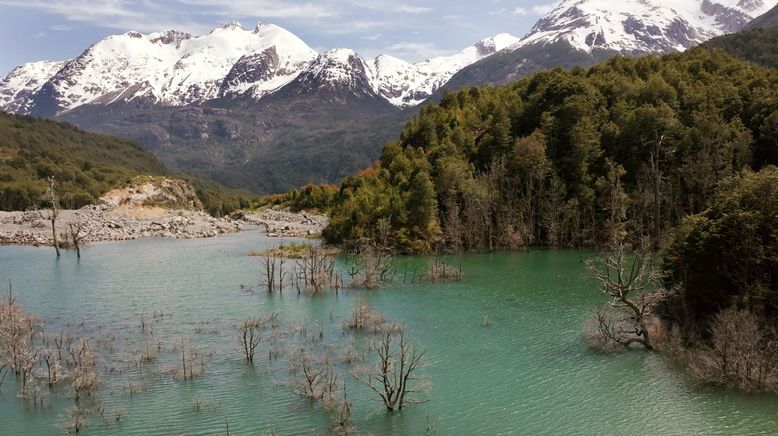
pixel 659 150
pixel 315 269
pixel 394 377
pixel 741 352
pixel 3 373
pixel 342 424
pixel 440 270
pixel 85 379
pixel 78 233
pixel 372 266
pixel 318 376
pixel 272 272
pixel 192 362
pixel 53 199
pixel 365 318
pixel 249 337
pixel 627 282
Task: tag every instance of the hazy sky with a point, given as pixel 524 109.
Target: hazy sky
pixel 33 30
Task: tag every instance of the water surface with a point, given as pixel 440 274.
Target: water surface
pixel 528 372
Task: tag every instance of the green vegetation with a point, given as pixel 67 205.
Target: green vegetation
pixel 722 274
pixel 309 197
pixel 567 158
pixel 294 250
pixel 754 45
pixel 85 165
pixel 728 255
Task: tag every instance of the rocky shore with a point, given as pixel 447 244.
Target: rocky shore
pixel 145 209
pixel 282 223
pixel 102 223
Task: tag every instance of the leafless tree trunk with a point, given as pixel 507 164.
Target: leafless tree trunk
pixel 318 375
pixel 626 282
pixel 371 266
pixel 315 270
pixel 657 155
pixel 342 425
pixel 393 377
pixel 53 198
pixel 249 337
pixel 85 379
pixel 78 234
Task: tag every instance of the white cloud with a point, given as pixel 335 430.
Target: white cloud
pixel 265 9
pixel 519 11
pixel 410 9
pixel 114 14
pixel 414 50
pixel 544 9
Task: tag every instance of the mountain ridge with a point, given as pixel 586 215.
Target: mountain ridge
pixel 268 127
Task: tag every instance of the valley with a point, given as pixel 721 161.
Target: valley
pixel 248 230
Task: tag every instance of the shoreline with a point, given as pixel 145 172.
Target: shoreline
pixel 103 223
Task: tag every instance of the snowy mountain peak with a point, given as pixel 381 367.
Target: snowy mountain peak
pixel 499 42
pixel 340 67
pixel 176 68
pixel 169 37
pixel 405 84
pixel 641 26
pixel 18 87
pixel 231 26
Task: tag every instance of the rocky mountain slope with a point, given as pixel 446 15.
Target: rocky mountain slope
pixel 584 32
pixel 768 19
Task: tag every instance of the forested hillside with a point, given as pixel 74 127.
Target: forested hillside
pixel 756 44
pixel 567 158
pixel 85 165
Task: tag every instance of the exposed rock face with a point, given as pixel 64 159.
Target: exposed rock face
pixel 152 191
pixel 731 20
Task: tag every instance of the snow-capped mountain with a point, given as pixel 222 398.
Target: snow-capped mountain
pixel 178 69
pixel 18 87
pixel 405 84
pixel 175 68
pixel 642 26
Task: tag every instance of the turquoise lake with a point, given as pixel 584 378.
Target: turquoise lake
pixel 527 372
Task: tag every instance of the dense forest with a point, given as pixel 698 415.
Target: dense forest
pixel 85 165
pixel 755 45
pixel 565 158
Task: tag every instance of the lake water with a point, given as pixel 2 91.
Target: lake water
pixel 528 372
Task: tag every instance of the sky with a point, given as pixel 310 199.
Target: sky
pixel 32 30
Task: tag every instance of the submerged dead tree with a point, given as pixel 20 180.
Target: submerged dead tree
pixel 53 199
pixel 627 281
pixel 393 377
pixel 318 377
pixel 272 272
pixel 77 235
pixel 315 270
pixel 372 266
pixel 249 337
